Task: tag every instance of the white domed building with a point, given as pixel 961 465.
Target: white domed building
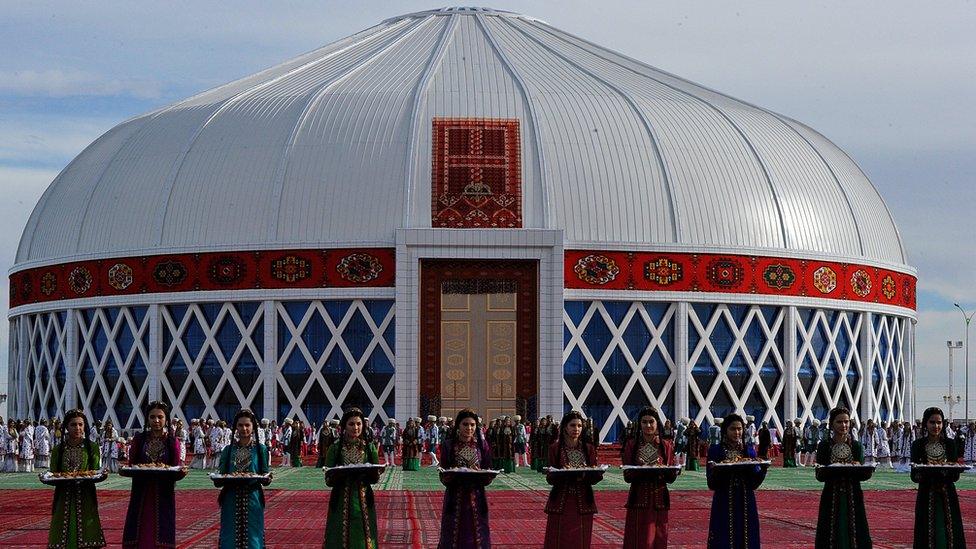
pixel 462 207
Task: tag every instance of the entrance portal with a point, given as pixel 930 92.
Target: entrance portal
pixel 479 337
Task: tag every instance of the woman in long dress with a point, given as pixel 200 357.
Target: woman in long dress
pixel 411 446
pixel 790 438
pixel 242 505
pixel 151 518
pixel 352 511
pixel 648 501
pixel 571 505
pixel 74 518
pixel 464 518
pixel 938 519
pixel 692 433
pixel 842 521
pixel 734 521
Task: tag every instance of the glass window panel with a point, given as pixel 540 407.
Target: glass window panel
pixel 576 371
pixel 357 335
pixel 597 336
pixel 575 310
pixel 617 310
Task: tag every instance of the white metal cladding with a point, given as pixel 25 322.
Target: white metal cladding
pixel 334 146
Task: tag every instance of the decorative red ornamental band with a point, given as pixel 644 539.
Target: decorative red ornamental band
pixel 376 267
pixel 249 270
pixel 738 274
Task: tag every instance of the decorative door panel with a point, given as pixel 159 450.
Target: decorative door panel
pixel 479 337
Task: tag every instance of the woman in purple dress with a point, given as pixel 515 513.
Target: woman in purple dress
pixel 151 519
pixel 464 520
pixel 734 522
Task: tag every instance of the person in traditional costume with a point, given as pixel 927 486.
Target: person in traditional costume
pixel 679 441
pixel 242 504
pixel 3 447
pixel 765 440
pixel 182 436
pixel 969 453
pixel 199 445
pixel 352 511
pixel 151 518
pixel 907 436
pixel 648 502
pixel 295 443
pixel 390 439
pixel 884 446
pixel 571 504
pixel 464 517
pixel 790 439
pixel 691 449
pixel 433 440
pixel 938 518
pixel 284 442
pixel 535 443
pixel 327 437
pixel 734 520
pixel 842 522
pixel 110 449
pixel 42 445
pixel 74 518
pixel 13 447
pixel 505 437
pixel 520 443
pixel 869 441
pixel 26 436
pixel 411 446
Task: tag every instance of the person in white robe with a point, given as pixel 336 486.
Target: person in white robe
pixel 198 437
pixel 26 435
pixel 869 442
pixel 42 445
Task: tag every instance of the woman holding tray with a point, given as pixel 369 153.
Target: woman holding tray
pixel 352 511
pixel 938 519
pixel 464 519
pixel 151 518
pixel 734 521
pixel 648 501
pixel 242 504
pixel 74 520
pixel 842 521
pixel 571 505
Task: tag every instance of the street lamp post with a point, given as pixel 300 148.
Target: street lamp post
pixel 950 399
pixel 969 318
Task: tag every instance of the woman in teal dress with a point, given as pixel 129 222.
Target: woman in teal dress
pixel 938 519
pixel 242 505
pixel 74 517
pixel 352 511
pixel 842 522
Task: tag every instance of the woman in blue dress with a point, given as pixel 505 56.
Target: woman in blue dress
pixel 734 521
pixel 242 505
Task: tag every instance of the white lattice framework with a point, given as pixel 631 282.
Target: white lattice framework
pixel 888 367
pixel 114 349
pixel 753 342
pixel 636 387
pixel 829 361
pixel 292 340
pixel 180 351
pixel 45 376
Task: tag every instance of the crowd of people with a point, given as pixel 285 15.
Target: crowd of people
pixel 249 445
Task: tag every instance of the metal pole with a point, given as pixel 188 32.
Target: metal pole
pixel 969 318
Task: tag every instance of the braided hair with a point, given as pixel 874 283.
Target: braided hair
pixel 563 424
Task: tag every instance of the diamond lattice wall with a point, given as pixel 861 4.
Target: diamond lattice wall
pixel 45 374
pixel 829 366
pixel 888 366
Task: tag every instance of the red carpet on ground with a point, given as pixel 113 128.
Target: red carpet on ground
pixel 411 519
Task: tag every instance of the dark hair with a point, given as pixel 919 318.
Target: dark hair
pixel 729 420
pixel 351 413
pixel 836 412
pixel 246 412
pixel 638 433
pixel 158 405
pixel 929 412
pixel 462 414
pixel 89 445
pixel 563 424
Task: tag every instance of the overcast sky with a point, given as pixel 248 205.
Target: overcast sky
pixel 892 83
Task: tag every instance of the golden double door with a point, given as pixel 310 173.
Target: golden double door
pixel 478 352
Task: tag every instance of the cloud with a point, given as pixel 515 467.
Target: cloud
pixel 47 141
pixel 69 83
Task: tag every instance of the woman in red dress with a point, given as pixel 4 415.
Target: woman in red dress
pixel 648 500
pixel 571 506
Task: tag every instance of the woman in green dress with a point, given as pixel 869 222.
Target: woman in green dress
pixel 842 522
pixel 938 519
pixel 352 511
pixel 74 519
pixel 242 505
pixel 411 446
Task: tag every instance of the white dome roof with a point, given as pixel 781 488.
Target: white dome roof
pixel 334 147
